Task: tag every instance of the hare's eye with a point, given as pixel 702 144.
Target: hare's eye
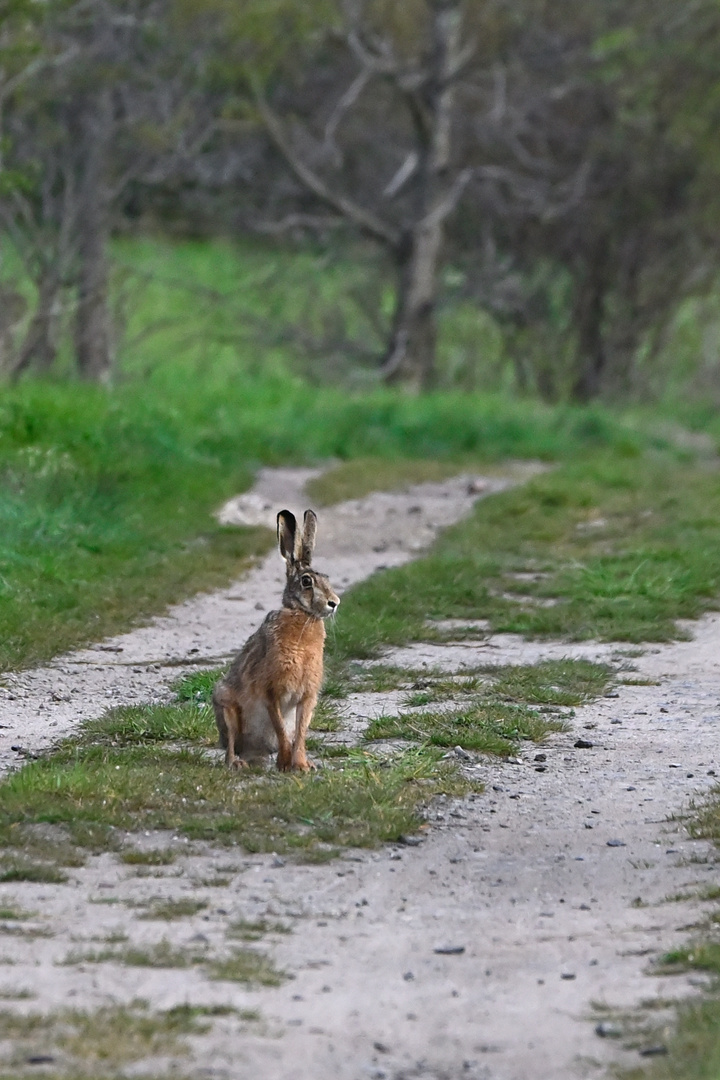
pixel 306 581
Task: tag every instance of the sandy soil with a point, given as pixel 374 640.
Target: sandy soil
pixel 546 895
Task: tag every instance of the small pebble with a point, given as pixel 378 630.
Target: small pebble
pixel 381 1048
pixel 567 975
pixel 616 843
pixel 449 950
pixel 608 1031
pixel 583 744
pixel 653 1051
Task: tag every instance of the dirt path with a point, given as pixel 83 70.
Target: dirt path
pixel 553 883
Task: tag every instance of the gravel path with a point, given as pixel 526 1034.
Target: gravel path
pixel 482 953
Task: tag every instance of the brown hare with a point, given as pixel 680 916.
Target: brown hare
pixel 266 701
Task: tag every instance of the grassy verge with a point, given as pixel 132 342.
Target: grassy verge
pixel 149 768
pixel 106 494
pixel 490 710
pixel 610 547
pixel 89 1045
pixel 693 1047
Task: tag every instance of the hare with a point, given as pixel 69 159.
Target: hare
pixel 266 701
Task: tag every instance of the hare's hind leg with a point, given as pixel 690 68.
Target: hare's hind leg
pixel 303 716
pixel 232 715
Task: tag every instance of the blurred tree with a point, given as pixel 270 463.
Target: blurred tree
pixel 91 96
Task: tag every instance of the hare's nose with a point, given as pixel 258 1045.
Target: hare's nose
pixel 332 604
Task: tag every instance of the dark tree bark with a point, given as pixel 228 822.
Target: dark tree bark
pixel 589 318
pixel 92 320
pixel 428 87
pixel 39 348
pixel 410 356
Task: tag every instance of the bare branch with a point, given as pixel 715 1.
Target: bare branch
pixel 364 219
pixel 316 222
pixel 345 103
pixel 500 94
pixel 401 177
pixel 460 63
pixel 450 199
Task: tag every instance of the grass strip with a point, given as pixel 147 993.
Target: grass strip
pixel 611 547
pixel 108 1037
pixel 693 1049
pixel 107 494
pixel 483 727
pixel 114 778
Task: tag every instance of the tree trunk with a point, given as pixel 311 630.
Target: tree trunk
pixel 410 357
pixel 92 320
pixel 589 319
pixel 39 348
pixel 411 354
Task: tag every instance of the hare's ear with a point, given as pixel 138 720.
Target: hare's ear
pixel 309 533
pixel 286 530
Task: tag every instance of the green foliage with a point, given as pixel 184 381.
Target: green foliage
pixel 108 493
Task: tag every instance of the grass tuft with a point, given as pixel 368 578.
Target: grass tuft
pixel 246 966
pixel 173 909
pixel 487 728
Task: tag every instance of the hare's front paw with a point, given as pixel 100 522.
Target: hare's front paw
pixel 238 763
pixel 303 764
pixel 284 759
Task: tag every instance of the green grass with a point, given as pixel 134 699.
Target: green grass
pixel 241 965
pixel 484 727
pixel 354 479
pixel 693 1049
pixel 198 685
pixel 173 909
pixel 551 682
pixel 111 779
pixel 623 546
pixel 487 709
pixel 107 1038
pixel 246 966
pixel 155 857
pixel 108 492
pixel 694 1046
pixel 255 929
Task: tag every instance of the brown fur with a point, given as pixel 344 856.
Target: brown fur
pixel 274 682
